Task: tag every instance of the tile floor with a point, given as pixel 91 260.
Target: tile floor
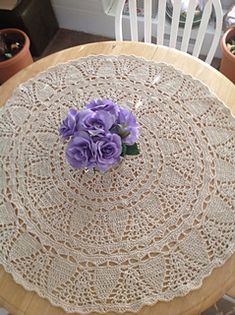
pixel 65 39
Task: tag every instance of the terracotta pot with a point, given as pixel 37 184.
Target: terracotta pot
pixel 227 66
pixel 21 60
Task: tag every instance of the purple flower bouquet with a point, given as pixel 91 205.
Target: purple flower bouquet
pixel 100 135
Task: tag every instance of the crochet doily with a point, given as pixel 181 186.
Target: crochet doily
pixel 153 227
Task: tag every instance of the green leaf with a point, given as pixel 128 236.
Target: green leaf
pixel 124 147
pixel 132 149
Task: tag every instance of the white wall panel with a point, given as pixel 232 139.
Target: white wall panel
pixel 84 15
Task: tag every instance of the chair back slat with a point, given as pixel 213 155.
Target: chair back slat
pixel 147 20
pixel 133 20
pixel 175 23
pixel 202 28
pixel 161 22
pixel 217 34
pixel 188 25
pixel 118 20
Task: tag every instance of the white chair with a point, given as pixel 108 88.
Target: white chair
pixel 175 30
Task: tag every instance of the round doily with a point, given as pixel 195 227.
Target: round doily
pixel 149 229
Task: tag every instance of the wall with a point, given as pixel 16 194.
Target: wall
pixel 84 15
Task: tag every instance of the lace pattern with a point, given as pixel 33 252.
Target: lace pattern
pixel 150 229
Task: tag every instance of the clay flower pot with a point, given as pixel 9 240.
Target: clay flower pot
pixel 19 61
pixel 227 66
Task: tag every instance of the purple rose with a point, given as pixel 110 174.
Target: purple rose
pixel 98 134
pixel 80 151
pixel 106 105
pixel 95 122
pixel 68 126
pixel 108 150
pixel 128 123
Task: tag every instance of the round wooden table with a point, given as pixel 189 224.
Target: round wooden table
pixel 19 301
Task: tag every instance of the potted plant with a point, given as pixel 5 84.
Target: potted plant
pixel 14 52
pixel 227 66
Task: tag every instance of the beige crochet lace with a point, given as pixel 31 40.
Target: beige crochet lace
pixel 151 228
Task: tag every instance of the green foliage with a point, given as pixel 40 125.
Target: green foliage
pixel 130 149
